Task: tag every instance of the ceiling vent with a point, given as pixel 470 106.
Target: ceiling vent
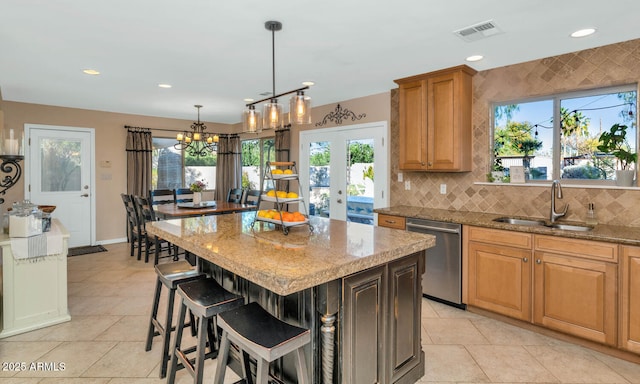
pixel 478 31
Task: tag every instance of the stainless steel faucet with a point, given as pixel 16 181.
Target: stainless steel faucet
pixel 555 185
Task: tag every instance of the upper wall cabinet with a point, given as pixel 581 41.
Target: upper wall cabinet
pixel 435 120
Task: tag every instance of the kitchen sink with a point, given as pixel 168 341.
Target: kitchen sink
pixel 570 227
pixel 518 221
pixel 542 223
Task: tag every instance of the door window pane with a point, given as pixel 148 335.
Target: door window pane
pixel 319 178
pixel 360 172
pixel 61 165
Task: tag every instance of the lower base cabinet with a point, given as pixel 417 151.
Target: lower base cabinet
pixel 563 284
pixel 630 299
pixel 382 314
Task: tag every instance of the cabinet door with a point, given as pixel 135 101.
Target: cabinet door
pixel 405 307
pixel 576 296
pixel 499 279
pixel 630 299
pixel 391 221
pixel 412 122
pixel 449 122
pixel 364 311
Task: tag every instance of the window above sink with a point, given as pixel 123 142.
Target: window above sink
pixel 556 137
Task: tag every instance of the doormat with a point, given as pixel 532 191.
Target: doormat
pixel 76 251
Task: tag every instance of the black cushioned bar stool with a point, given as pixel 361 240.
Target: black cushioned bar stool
pixel 205 298
pixel 256 332
pixel 169 275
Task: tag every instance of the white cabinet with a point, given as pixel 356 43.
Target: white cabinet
pixel 34 290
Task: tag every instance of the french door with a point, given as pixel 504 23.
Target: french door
pixel 338 167
pixel 60 173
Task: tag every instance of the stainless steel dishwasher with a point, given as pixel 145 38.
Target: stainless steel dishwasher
pixel 442 280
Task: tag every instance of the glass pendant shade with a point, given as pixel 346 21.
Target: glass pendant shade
pixel 272 115
pixel 300 109
pixel 251 121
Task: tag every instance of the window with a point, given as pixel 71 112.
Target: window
pixel 558 137
pixel 169 172
pixel 255 154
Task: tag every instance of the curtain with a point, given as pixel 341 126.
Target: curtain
pixel 139 151
pixel 229 167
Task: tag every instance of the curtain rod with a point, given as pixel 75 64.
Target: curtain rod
pixel 176 130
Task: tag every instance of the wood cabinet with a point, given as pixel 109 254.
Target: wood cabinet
pixel 435 120
pixel 382 312
pixel 565 284
pixel 575 287
pixel 630 298
pixel 499 272
pixel 391 221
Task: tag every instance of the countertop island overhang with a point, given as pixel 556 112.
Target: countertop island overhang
pixel 356 286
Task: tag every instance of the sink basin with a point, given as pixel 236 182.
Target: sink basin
pixel 569 227
pixel 518 221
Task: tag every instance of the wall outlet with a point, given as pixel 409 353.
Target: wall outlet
pixel 407 185
pixel 443 189
pixel 400 177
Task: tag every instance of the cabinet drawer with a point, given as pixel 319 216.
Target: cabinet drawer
pixel 581 248
pixel 390 221
pixel 500 237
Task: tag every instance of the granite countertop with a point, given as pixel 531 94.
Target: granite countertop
pixel 285 264
pixel 601 232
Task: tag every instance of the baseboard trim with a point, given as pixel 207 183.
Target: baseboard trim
pixel 111 241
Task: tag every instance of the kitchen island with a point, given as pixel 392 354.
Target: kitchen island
pixel 356 287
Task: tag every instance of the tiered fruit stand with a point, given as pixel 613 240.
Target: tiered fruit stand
pixel 276 172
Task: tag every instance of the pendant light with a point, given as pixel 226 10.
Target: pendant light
pixel 272 116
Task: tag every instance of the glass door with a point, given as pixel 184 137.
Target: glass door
pixel 338 167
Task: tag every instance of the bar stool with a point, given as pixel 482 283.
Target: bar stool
pixel 169 275
pixel 205 298
pixel 258 333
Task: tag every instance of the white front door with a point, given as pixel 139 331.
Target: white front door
pixel 337 170
pixel 60 173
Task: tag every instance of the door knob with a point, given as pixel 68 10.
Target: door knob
pixel 339 201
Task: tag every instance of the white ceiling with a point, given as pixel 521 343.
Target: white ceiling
pixel 218 53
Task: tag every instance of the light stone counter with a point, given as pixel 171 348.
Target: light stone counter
pixel 285 264
pixel 608 233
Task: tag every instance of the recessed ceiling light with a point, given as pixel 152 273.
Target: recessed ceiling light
pixel 248 100
pixel 583 32
pixel 475 58
pixel 308 83
pixel 91 71
pixel 164 85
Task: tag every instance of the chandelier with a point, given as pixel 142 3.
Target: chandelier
pixel 272 117
pixel 197 143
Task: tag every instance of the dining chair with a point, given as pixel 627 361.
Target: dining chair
pixel 137 234
pixel 235 195
pixel 251 196
pixel 147 215
pixel 162 196
pixel 183 195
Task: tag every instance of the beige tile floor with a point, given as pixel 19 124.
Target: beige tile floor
pixel 110 298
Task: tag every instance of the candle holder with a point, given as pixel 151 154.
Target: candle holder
pixel 11 166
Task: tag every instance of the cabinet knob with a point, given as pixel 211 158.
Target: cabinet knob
pixel 538 261
pixel 525 259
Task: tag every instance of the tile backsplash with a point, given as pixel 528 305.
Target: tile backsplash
pixel 609 65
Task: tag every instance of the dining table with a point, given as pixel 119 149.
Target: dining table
pixel 205 208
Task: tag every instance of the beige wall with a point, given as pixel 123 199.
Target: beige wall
pixel 110 137
pixel 605 66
